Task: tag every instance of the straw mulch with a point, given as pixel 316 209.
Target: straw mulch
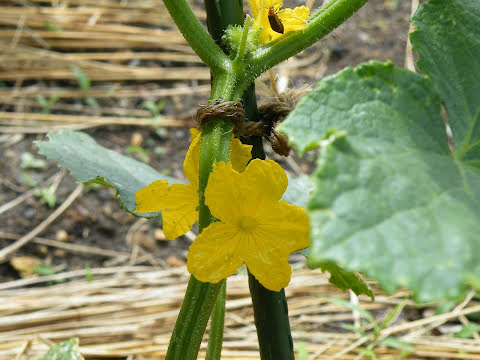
pixel 129 312
pixel 129 50
pixel 42 42
pixel 114 43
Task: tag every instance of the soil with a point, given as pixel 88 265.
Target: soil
pixel 378 31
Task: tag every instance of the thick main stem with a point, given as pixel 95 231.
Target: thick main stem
pixel 270 308
pixel 200 298
pixel 192 320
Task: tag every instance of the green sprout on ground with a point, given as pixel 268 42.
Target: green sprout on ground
pixel 155 108
pixel 29 161
pixel 47 196
pixel 47 103
pixel 84 84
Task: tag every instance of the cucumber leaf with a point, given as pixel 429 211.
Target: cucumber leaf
pixel 447 40
pixel 390 199
pixel 89 162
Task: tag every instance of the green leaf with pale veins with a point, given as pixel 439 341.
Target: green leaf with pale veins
pixel 67 350
pixel 89 162
pixel 390 200
pixel 447 40
pixel 298 191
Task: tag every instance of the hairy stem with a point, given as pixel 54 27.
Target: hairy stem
pixel 192 320
pixel 200 298
pixel 196 36
pixel 323 22
pixel 215 339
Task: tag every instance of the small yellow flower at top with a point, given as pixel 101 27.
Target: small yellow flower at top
pixel 255 227
pixel 179 202
pixel 274 21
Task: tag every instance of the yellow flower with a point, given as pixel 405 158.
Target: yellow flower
pixel 255 228
pixel 179 202
pixel 291 19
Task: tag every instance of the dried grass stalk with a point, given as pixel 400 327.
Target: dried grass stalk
pixel 130 311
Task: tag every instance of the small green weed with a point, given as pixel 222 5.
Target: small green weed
pixel 28 161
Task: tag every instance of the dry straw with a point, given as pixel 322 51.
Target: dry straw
pixel 130 51
pixel 129 312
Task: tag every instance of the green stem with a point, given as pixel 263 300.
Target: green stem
pixel 237 64
pixel 215 339
pixel 192 320
pixel 196 36
pixel 249 100
pixel 270 308
pixel 221 14
pixel 200 298
pixel 215 147
pixel 270 311
pixel 321 10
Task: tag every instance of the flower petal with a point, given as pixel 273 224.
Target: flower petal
pixel 266 180
pixel 263 182
pixel 294 19
pixel 224 194
pixel 302 12
pixel 261 20
pixel 179 210
pixel 269 267
pixel 214 256
pixel 286 227
pixel 282 230
pixel 254 5
pixel 190 164
pixel 257 5
pixel 240 155
pixel 151 198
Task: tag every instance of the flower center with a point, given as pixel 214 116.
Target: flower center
pixel 246 222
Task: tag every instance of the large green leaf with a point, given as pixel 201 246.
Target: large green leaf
pixel 90 162
pixel 390 200
pixel 447 40
pixel 67 350
pixel 298 191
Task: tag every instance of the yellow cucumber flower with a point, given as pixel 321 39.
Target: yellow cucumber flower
pixel 290 19
pixel 255 227
pixel 179 202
